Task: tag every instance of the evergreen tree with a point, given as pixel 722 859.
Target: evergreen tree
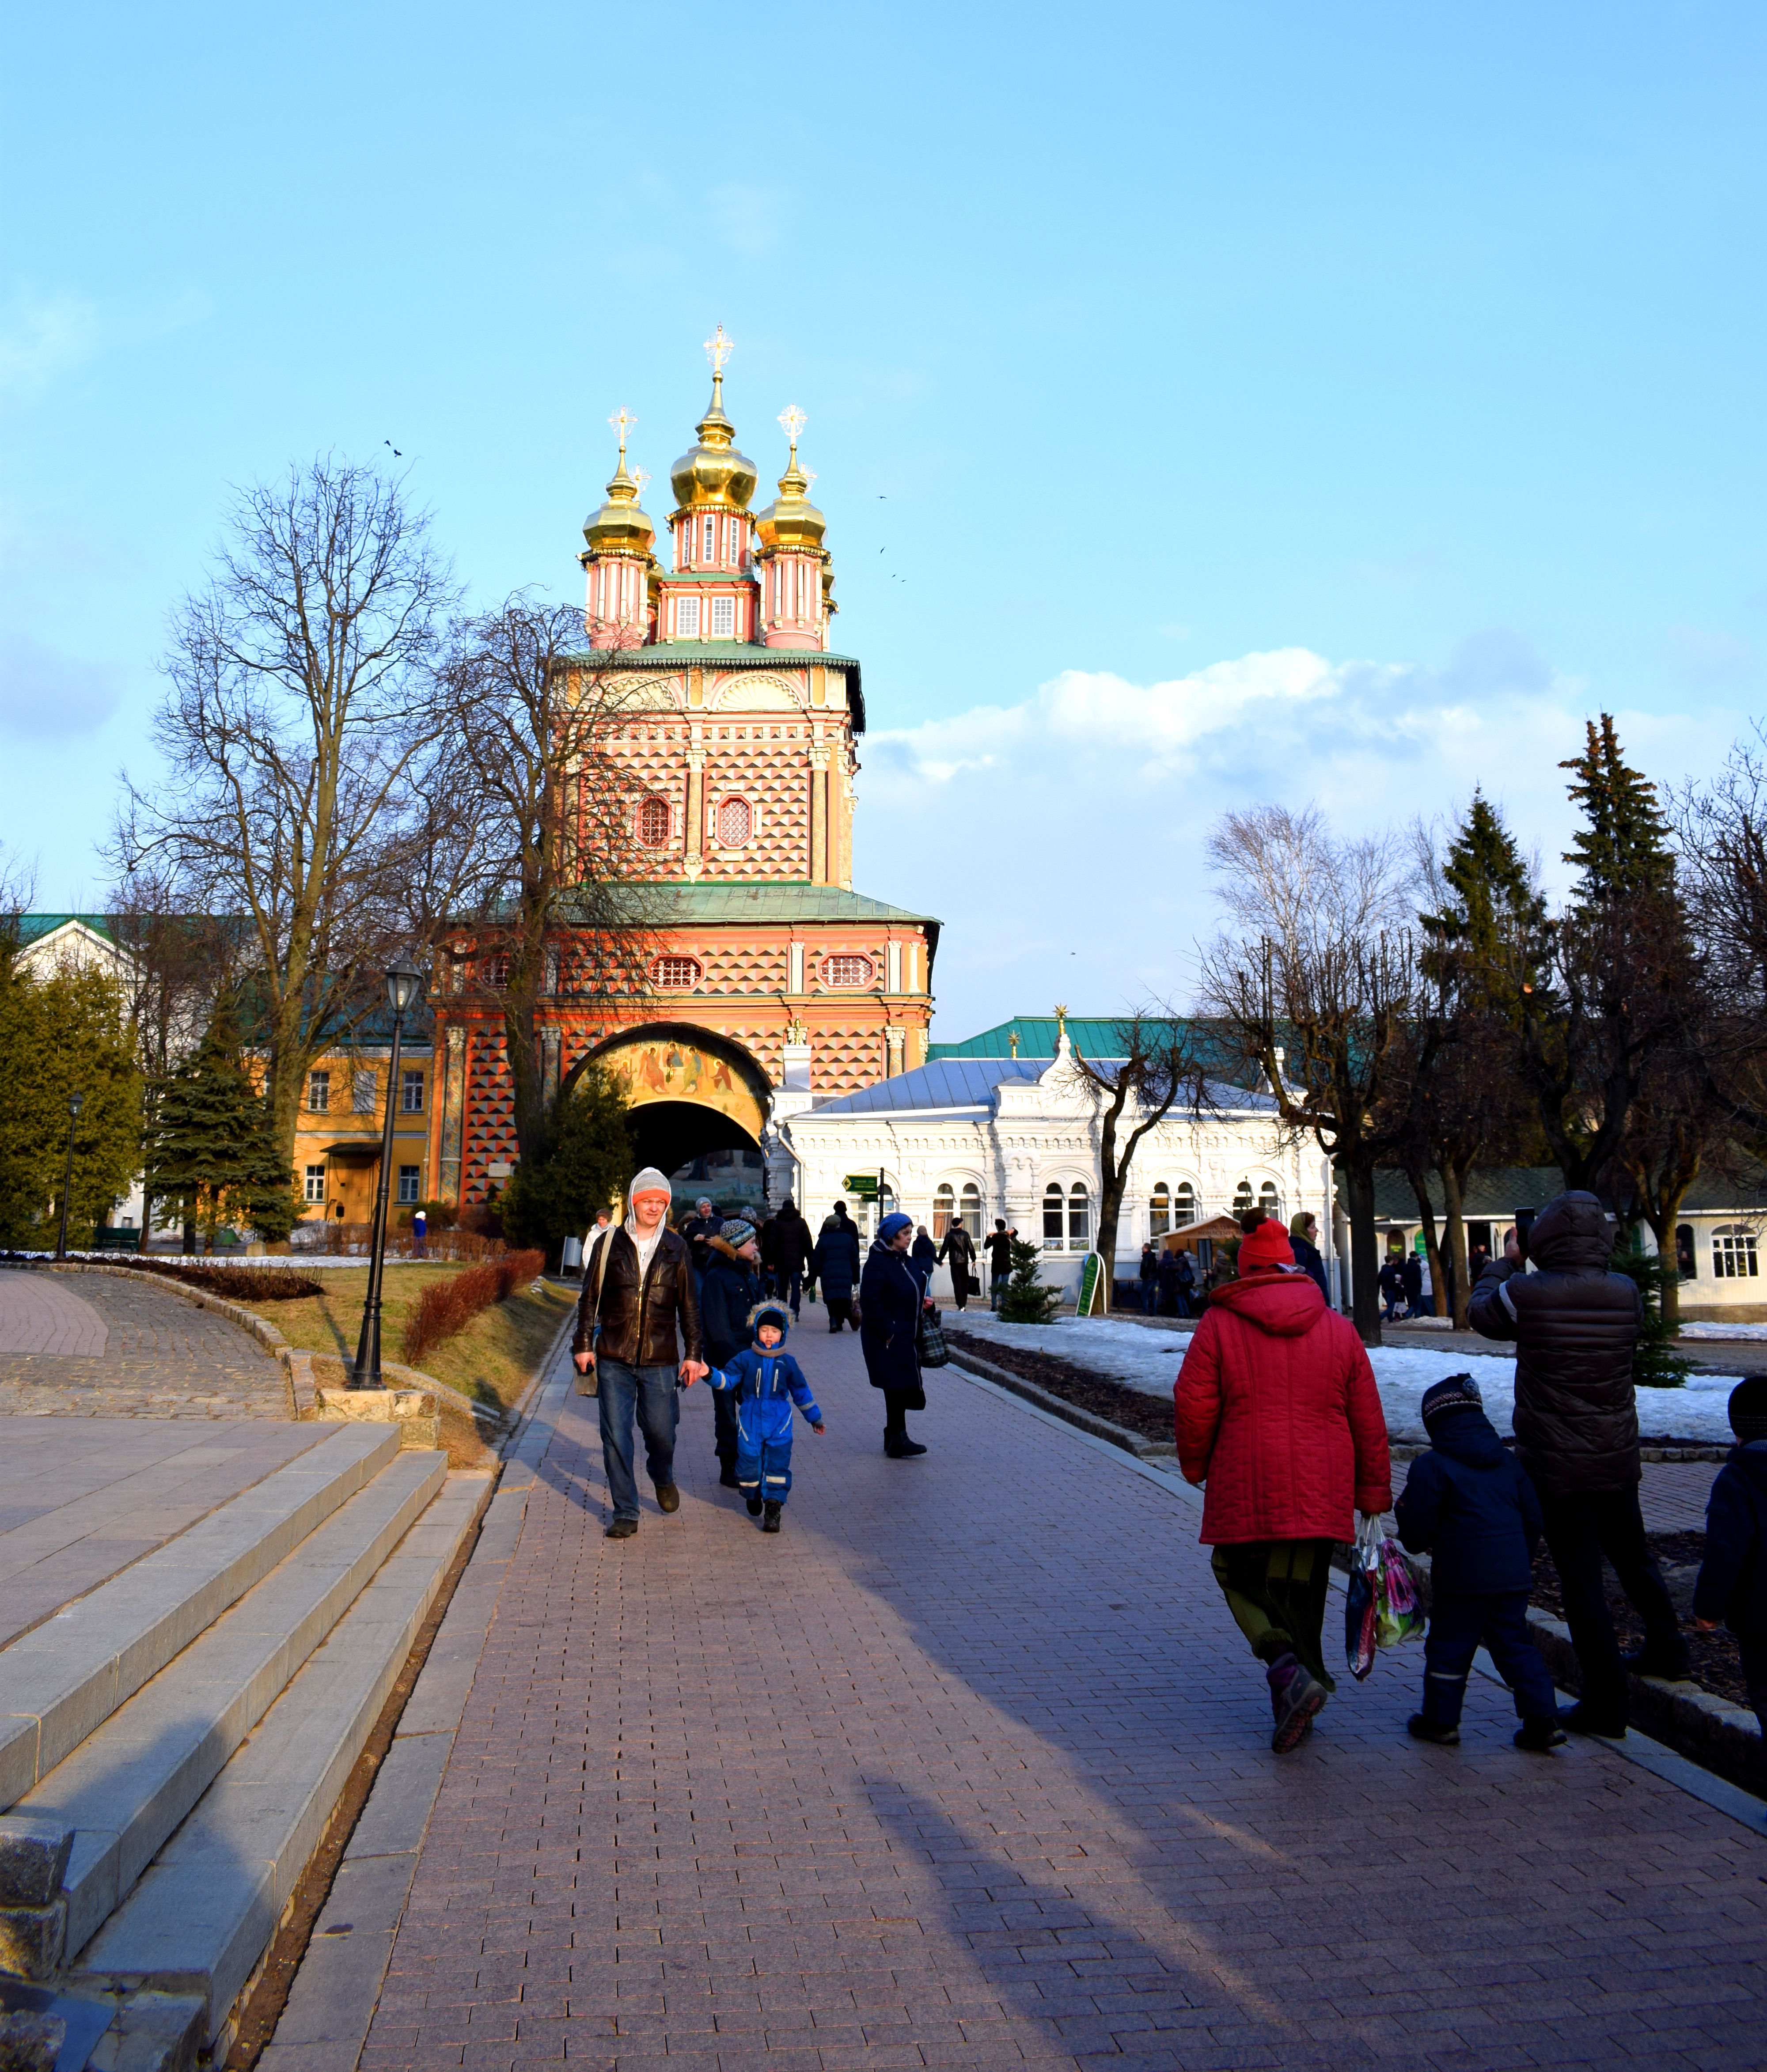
pixel 1026 1300
pixel 1655 1363
pixel 64 1035
pixel 1623 852
pixel 211 1152
pixel 1487 935
pixel 586 1160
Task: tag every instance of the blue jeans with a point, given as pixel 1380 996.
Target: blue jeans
pixel 648 1392
pixel 790 1288
pixel 1456 1625
pixel 1150 1297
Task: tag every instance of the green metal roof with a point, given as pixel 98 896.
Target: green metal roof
pixel 676 903
pixel 725 655
pixel 33 927
pixel 1496 1192
pixel 1097 1037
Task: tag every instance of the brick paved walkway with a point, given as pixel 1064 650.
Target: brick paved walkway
pixel 81 1498
pixel 968 1768
pixel 92 1345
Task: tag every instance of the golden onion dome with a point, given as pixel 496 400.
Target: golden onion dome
pixel 713 472
pixel 793 520
pixel 620 525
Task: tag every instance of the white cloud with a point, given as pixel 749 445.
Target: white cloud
pixel 1060 839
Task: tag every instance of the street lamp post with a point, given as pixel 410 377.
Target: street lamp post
pixel 404 988
pixel 76 1102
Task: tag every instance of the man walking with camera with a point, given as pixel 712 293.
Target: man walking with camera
pixel 638 1333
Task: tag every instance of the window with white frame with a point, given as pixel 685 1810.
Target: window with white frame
pixel 675 972
pixel 318 1095
pixel 735 824
pixel 711 536
pixel 1067 1217
pixel 1159 1211
pixel 723 617
pixel 1080 1219
pixel 362 1091
pixel 1184 1205
pixel 847 972
pixel 1733 1256
pixel 411 1093
pixel 945 1209
pixel 315 1183
pixel 408 1177
pixel 969 1210
pixel 1055 1216
pixel 1269 1200
pixel 687 619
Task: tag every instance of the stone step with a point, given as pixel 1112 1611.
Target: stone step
pixel 65 1677
pixel 127 1785
pixel 202 1917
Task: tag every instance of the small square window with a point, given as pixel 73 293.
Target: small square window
pixel 408 1177
pixel 687 619
pixel 319 1091
pixel 315 1183
pixel 411 1093
pixel 362 1092
pixel 723 617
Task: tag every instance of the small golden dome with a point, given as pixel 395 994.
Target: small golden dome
pixel 793 520
pixel 713 472
pixel 620 524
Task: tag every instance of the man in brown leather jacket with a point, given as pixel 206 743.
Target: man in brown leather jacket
pixel 638 1287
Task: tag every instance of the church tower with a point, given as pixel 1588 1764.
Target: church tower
pixel 772 984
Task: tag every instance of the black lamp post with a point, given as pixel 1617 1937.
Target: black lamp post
pixel 76 1102
pixel 405 989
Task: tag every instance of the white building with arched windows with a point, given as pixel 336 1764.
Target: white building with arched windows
pixel 978 1136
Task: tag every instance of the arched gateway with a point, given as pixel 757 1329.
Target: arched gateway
pixel 775 984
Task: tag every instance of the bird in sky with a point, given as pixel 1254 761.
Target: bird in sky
pixel 396 453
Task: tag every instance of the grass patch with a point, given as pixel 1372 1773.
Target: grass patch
pixel 491 1360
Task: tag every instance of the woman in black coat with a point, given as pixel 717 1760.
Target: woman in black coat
pixel 837 1266
pixel 890 1298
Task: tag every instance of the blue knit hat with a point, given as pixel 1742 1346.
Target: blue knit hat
pixel 891 1224
pixel 1454 1392
pixel 1748 1409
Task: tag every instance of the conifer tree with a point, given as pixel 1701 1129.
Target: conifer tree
pixel 1025 1299
pixel 212 1151
pixel 587 1160
pixel 1487 935
pixel 1622 851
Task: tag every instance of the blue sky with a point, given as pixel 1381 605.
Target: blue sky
pixel 1207 403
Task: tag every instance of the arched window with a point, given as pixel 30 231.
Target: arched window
pixel 969 1212
pixel 1160 1211
pixel 1269 1200
pixel 675 972
pixel 1055 1216
pixel 653 822
pixel 494 971
pixel 1733 1253
pixel 735 823
pixel 950 1207
pixel 944 1208
pixel 1687 1257
pixel 1243 1203
pixel 1080 1219
pixel 1184 1205
pixel 848 971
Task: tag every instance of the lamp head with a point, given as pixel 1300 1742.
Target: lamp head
pixel 404 985
pixel 75 1103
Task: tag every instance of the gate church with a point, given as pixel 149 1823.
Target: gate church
pixel 772 983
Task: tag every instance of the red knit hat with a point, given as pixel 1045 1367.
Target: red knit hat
pixel 1268 1245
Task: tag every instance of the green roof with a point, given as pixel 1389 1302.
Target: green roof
pixel 33 927
pixel 676 903
pixel 725 655
pixel 1494 1193
pixel 1094 1036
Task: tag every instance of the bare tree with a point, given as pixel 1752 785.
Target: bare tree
pixel 1314 983
pixel 301 794
pixel 550 892
pixel 18 894
pixel 1156 1064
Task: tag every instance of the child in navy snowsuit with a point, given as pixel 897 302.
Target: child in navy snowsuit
pixel 1468 1504
pixel 1733 1583
pixel 766 1383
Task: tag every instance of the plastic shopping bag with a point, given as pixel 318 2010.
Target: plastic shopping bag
pixel 1361 1613
pixel 1398 1617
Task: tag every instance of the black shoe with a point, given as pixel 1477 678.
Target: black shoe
pixel 1433 1730
pixel 668 1497
pixel 754 1507
pixel 771 1523
pixel 1302 1698
pixel 1538 1736
pixel 1674 1665
pixel 622 1528
pixel 1576 1720
pixel 727 1477
pixel 901 1449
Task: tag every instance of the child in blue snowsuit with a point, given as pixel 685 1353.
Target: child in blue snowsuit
pixel 1468 1504
pixel 766 1383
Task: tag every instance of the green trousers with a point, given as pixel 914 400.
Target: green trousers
pixel 1275 1590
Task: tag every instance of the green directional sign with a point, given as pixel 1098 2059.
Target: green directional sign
pixel 866 1186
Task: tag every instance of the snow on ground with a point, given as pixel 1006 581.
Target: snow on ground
pixel 1723 1331
pixel 1149 1360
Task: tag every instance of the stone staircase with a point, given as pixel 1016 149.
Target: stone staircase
pixel 174 1743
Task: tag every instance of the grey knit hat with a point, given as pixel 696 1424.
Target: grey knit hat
pixel 736 1234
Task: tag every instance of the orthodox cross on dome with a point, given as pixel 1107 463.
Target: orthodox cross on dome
pixel 794 421
pixel 718 349
pixel 622 420
pixel 1061 1021
pixel 641 476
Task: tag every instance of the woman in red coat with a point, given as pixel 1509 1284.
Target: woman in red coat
pixel 1277 1413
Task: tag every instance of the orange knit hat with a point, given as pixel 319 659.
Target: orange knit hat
pixel 1266 1246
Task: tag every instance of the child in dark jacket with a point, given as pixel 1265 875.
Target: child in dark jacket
pixel 1469 1505
pixel 765 1382
pixel 1732 1582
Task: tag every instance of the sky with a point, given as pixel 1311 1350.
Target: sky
pixel 1208 405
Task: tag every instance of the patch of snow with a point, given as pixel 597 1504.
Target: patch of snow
pixel 1149 1361
pixel 1756 1331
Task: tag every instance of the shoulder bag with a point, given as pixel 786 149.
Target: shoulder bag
pixel 589 1383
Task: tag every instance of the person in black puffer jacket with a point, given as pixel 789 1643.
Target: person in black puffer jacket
pixel 1574 1325
pixel 1471 1508
pixel 1732 1584
pixel 730 1288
